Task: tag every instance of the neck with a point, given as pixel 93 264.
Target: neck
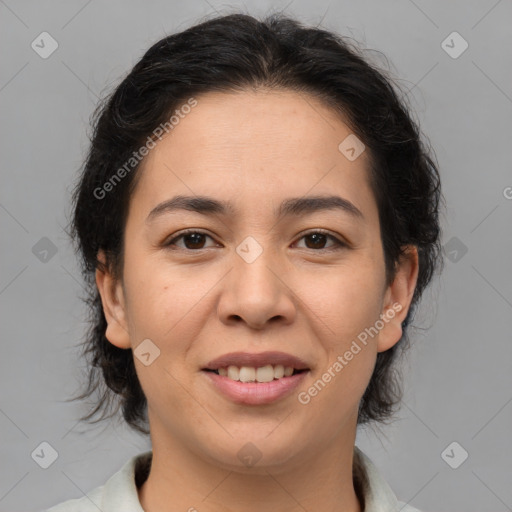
pixel 182 481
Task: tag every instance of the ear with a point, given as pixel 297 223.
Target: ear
pixel 113 301
pixel 397 299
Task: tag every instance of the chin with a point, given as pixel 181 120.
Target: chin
pixel 250 452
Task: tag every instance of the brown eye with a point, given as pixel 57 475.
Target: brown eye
pixel 192 240
pixel 317 240
pixel 195 240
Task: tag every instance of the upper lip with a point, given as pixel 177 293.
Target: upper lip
pixel 256 360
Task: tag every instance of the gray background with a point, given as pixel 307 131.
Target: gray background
pixel 458 373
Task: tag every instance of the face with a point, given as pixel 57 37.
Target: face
pixel 262 277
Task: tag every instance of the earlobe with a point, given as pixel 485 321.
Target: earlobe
pixel 398 299
pixel 112 299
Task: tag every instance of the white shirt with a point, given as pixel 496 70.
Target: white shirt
pixel 119 493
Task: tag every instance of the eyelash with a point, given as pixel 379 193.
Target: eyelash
pixel 338 243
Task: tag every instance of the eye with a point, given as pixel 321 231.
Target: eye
pixel 318 238
pixel 192 239
pixel 195 240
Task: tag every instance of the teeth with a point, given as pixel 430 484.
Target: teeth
pixel 263 374
pixel 247 374
pixel 279 371
pixel 233 373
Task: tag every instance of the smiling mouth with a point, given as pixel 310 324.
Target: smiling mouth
pixel 262 374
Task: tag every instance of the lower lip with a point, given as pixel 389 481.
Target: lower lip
pixel 256 393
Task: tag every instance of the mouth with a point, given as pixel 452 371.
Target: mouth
pixel 262 367
pixel 266 373
pixel 256 379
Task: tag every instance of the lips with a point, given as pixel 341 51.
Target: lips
pixel 246 359
pixel 256 379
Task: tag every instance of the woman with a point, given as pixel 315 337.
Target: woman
pixel 257 218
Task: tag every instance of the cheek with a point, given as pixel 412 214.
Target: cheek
pixel 165 307
pixel 346 303
pixel 169 304
pixel 159 294
pixel 345 300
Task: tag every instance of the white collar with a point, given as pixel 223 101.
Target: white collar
pixel 120 490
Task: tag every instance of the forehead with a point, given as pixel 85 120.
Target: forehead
pixel 257 146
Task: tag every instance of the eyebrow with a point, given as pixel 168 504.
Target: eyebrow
pixel 289 207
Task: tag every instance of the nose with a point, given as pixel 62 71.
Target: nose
pixel 257 293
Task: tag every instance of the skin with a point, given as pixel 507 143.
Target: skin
pixel 300 296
